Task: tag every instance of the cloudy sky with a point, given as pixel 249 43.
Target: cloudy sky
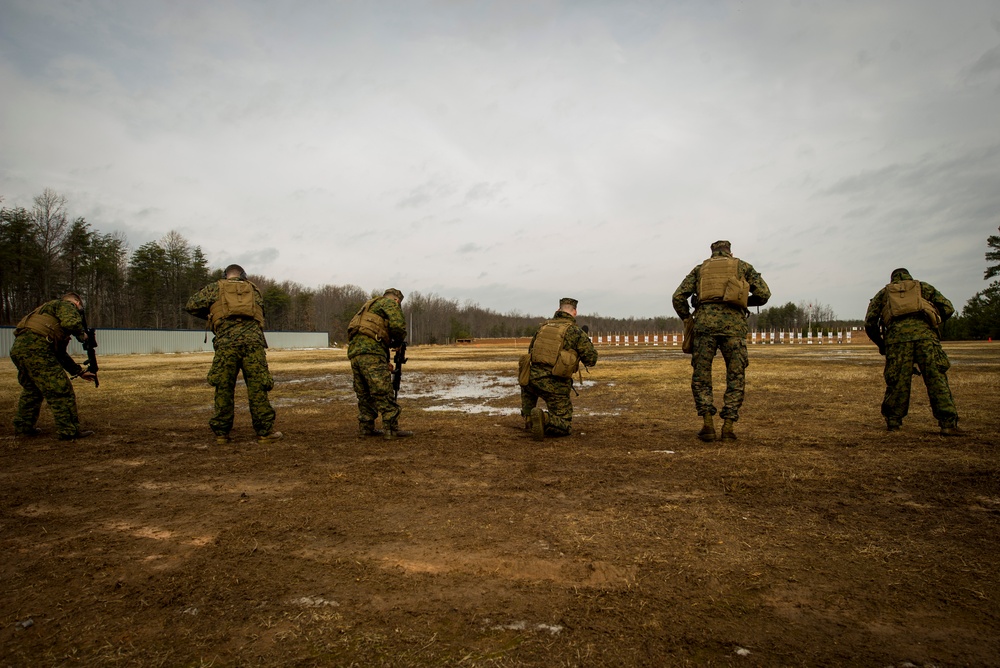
pixel 511 153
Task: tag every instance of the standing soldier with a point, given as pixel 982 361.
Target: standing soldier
pixel 904 320
pixel 39 353
pixel 234 309
pixel 554 355
pixel 375 329
pixel 720 289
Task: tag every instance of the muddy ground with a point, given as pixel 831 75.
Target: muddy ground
pixel 816 539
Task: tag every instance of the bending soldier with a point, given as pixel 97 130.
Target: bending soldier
pixel 375 329
pixel 720 289
pixel 39 353
pixel 234 309
pixel 910 313
pixel 554 355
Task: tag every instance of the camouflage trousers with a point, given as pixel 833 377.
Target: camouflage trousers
pixel 931 360
pixel 734 352
pixel 373 387
pixel 555 392
pixel 229 361
pixel 42 378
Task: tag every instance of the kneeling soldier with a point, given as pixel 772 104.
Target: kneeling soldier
pixel 554 355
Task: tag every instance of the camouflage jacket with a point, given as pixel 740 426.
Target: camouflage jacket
pixel 913 327
pixel 231 331
pixel 71 322
pixel 576 339
pixel 716 318
pixel 387 308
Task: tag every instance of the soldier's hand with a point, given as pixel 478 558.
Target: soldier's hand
pixel 87 375
pixel 391 368
pixel 881 351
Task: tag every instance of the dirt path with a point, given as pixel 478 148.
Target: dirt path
pixel 818 539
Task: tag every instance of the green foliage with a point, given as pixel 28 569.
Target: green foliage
pixel 993 255
pixel 276 305
pixel 787 318
pixel 21 265
pixel 459 330
pixel 980 318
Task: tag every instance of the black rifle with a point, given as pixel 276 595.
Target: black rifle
pixel 398 360
pixel 90 345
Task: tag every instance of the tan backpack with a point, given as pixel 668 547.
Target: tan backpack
pixel 548 349
pixel 370 324
pixel 43 324
pixel 905 298
pixel 236 300
pixel 718 282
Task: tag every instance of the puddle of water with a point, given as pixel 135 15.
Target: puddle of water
pixel 464 392
pixel 474 408
pixel 462 386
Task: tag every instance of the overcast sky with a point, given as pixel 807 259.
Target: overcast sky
pixel 511 153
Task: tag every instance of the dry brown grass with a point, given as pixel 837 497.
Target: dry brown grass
pixel 816 539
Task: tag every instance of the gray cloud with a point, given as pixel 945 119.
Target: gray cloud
pixel 582 144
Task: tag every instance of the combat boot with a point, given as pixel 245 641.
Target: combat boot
pixel 538 423
pixel 365 430
pixel 893 425
pixel 222 439
pixel 953 430
pixel 707 432
pixel 270 436
pixel 392 434
pixel 728 433
pixel 81 433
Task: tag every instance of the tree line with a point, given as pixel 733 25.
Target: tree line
pixel 45 253
pixel 980 319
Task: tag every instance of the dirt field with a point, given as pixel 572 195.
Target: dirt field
pixel 816 539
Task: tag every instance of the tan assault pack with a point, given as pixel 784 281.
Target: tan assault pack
pixel 236 300
pixel 905 298
pixel 370 324
pixel 718 282
pixel 548 349
pixel 43 324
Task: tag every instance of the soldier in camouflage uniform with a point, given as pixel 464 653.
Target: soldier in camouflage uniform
pixel 906 331
pixel 234 309
pixel 39 353
pixel 378 327
pixel 554 355
pixel 720 324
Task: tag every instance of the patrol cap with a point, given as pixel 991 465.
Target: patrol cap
pixel 721 245
pixel 393 292
pixel 567 301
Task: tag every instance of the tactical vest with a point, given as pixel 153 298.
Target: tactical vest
pixel 719 282
pixel 905 298
pixel 370 324
pixel 236 300
pixel 43 324
pixel 548 349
